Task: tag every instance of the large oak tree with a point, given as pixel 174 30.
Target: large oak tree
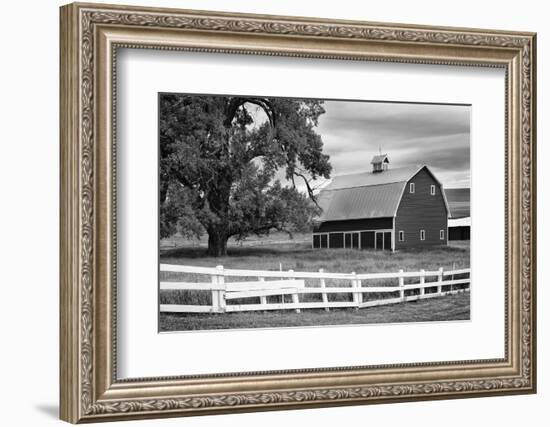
pixel 219 156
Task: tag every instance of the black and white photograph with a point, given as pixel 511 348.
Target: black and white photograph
pixel 288 212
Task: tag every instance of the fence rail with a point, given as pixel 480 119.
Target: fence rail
pixel 292 283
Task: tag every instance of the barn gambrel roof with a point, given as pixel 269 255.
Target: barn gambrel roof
pixel 459 202
pixel 367 195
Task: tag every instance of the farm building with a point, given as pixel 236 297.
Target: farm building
pixel 382 209
pixel 459 206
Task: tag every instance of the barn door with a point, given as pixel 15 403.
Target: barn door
pixel 367 240
pixel 387 240
pixel 347 240
pixel 379 240
pixel 355 240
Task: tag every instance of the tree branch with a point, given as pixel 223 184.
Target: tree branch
pixel 237 102
pixel 308 186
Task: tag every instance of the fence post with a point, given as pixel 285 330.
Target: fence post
pixel 263 299
pixel 295 298
pixel 422 281
pixel 215 299
pixel 401 285
pixel 359 294
pixel 453 276
pixel 354 294
pixel 440 280
pixel 221 292
pixel 324 294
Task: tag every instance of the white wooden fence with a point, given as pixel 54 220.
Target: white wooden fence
pixel 293 283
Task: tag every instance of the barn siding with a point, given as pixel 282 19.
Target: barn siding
pixel 421 210
pixel 355 225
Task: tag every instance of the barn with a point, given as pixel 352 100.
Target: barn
pixel 459 219
pixel 385 208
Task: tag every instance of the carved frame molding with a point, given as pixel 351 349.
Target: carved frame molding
pixel 89 388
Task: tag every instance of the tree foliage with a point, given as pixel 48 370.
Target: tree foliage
pixel 219 162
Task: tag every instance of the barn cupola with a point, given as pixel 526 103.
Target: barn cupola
pixel 380 163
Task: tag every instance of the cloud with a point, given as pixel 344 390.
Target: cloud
pixel 411 134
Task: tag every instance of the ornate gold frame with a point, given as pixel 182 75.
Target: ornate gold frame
pixel 90 34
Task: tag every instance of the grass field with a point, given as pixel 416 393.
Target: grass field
pixel 278 253
pixel 452 307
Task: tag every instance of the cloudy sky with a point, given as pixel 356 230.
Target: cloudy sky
pixel 411 134
pixel 436 135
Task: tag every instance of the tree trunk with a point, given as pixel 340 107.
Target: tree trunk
pixel 217 243
pixel 218 201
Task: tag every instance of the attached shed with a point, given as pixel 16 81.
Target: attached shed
pixel 382 209
pixel 459 228
pixel 459 205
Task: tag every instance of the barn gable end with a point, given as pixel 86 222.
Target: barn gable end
pixel 422 207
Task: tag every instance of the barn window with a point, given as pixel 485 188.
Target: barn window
pixel 411 187
pixel 422 234
pixel 432 190
pixel 401 236
pixel 441 234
